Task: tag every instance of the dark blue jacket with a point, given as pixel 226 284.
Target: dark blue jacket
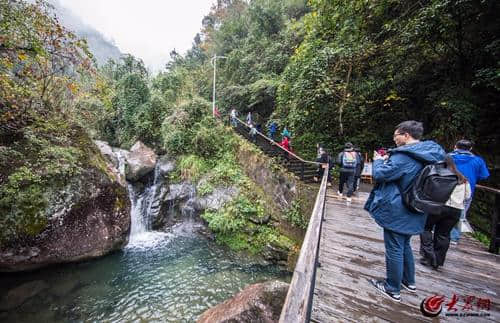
pixel 384 203
pixel 471 166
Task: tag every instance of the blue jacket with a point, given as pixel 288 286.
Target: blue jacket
pixel 471 166
pixel 384 203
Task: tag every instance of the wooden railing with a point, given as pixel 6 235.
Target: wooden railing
pixel 298 302
pixel 494 219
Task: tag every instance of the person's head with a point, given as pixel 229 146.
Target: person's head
pixel 450 164
pixel 322 150
pixel 407 132
pixel 357 149
pixel 464 144
pixel 348 145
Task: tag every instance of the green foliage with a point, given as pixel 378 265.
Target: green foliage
pixel 232 227
pixel 481 237
pixel 192 167
pixel 295 216
pixel 22 204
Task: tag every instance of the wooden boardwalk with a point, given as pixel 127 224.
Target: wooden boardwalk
pixel 352 251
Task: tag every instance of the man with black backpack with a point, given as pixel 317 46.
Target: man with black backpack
pixel 393 175
pixel 348 161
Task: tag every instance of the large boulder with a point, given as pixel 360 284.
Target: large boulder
pixel 88 217
pixel 140 161
pixel 216 199
pixel 256 303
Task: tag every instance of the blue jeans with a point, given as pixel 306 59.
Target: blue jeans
pixel 455 233
pixel 399 262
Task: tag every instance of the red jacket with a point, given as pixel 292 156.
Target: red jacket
pixel 285 143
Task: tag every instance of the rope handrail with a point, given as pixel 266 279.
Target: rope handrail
pixel 298 302
pixel 272 142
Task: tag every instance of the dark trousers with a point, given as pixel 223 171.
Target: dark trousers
pixel 346 178
pixel 320 173
pixel 435 246
pixel 356 181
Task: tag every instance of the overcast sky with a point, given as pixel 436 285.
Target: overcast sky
pixel 148 29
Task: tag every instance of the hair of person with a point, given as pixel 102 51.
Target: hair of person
pixel 450 164
pixel 464 144
pixel 414 128
pixel 348 145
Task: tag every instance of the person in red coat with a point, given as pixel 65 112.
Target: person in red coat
pixel 285 143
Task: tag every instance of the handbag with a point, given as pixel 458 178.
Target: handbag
pixel 464 226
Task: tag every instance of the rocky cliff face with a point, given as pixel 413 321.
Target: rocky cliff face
pixel 86 218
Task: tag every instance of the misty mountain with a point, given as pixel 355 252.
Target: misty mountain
pixel 101 48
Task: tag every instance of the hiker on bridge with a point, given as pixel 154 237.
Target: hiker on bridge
pixel 392 175
pixel 249 118
pixel 272 128
pixel 253 133
pixel 325 162
pixel 348 161
pixel 234 115
pixel 359 169
pixel 474 169
pixel 434 246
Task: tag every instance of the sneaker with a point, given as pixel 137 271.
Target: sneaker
pixel 349 199
pixel 339 194
pixel 410 288
pixel 380 286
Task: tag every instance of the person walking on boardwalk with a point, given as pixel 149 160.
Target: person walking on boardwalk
pixel 474 169
pixel 434 246
pixel 253 133
pixel 234 115
pixel 347 160
pixel 359 169
pixel 392 175
pixel 325 162
pixel 286 133
pixel 249 118
pixel 272 128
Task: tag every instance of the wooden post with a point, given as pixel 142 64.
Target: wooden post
pixel 495 230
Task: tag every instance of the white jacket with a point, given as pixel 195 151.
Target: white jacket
pixel 460 194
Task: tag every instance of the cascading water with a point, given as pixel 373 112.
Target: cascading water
pixel 158 277
pixel 142 209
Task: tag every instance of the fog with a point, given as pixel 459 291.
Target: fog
pixel 102 48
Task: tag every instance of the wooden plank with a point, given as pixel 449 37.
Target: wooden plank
pixel 352 251
pixel 298 300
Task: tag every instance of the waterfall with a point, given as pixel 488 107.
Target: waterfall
pixel 144 205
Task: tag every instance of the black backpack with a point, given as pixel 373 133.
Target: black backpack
pixel 430 189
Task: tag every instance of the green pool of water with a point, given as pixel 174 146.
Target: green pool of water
pixel 166 278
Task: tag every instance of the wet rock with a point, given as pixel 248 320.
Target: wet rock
pixel 216 199
pixel 256 303
pixel 107 152
pixel 140 161
pixel 274 253
pixel 165 166
pixel 178 192
pixel 18 295
pixel 87 218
